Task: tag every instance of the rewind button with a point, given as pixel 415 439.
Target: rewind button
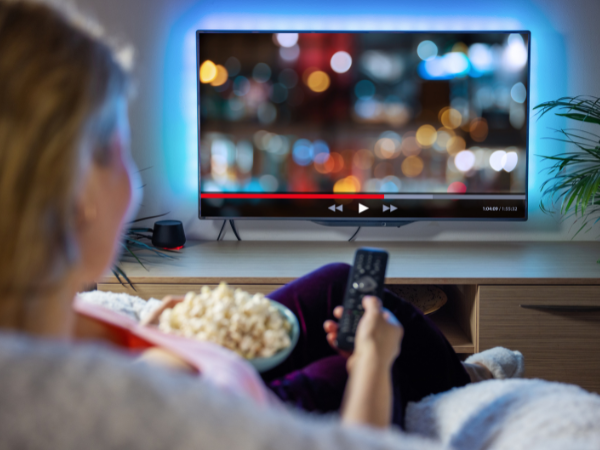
pixel 339 208
pixel 390 208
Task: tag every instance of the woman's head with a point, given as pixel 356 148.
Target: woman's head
pixel 65 170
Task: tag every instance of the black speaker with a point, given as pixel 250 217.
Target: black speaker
pixel 168 234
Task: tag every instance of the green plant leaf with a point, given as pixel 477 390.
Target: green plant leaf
pixel 136 257
pixel 118 272
pixel 141 219
pixel 580 117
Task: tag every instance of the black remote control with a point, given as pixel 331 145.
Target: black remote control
pixel 367 277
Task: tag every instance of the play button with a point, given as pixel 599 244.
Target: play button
pixel 362 208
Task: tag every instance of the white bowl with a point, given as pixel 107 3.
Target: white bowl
pixel 264 364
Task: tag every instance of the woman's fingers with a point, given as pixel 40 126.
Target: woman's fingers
pixel 332 339
pixel 168 302
pixel 338 311
pixel 330 326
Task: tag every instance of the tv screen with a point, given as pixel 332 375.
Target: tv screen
pixel 363 126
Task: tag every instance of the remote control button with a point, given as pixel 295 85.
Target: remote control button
pixel 365 284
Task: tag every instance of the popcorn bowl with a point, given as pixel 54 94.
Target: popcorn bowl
pixel 265 364
pixel 212 299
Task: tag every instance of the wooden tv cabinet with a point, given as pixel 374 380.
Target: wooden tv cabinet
pixel 542 298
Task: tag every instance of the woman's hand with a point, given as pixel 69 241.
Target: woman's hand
pixel 331 328
pixel 368 395
pixel 167 302
pixel 158 356
pixel 378 335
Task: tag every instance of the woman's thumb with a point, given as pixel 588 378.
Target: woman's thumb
pixel 371 303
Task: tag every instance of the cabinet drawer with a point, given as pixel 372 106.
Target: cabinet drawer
pixel 159 291
pixel 557 328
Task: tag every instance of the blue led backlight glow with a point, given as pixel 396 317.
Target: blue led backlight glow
pixel 180 129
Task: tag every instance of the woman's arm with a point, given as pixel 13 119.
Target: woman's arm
pixel 368 397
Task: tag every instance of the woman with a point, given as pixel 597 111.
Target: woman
pixel 66 180
pixel 66 193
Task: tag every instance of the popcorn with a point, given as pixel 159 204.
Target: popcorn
pixel 247 324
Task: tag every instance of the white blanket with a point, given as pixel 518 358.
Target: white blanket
pixel 510 415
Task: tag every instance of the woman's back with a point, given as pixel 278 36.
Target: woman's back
pixel 58 396
pixel 55 395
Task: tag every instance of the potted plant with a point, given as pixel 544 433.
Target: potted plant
pixel 574 181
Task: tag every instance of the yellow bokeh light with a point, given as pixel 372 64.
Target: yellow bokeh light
pixel 318 81
pixel 412 166
pixel 426 135
pixel 208 71
pixel 363 159
pixel 355 182
pixel 451 118
pixel 455 144
pixel 349 185
pixel 221 76
pixel 442 111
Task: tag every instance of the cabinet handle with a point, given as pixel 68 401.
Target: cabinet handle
pixel 565 308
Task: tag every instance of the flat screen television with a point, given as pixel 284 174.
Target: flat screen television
pixel 367 128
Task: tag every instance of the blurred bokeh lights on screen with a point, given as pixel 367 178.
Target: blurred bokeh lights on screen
pixel 341 62
pixel 342 112
pixel 221 77
pixel 318 81
pixel 515 54
pixel 427 50
pixel 286 40
pixel 208 72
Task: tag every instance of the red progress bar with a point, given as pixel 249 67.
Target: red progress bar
pixel 297 196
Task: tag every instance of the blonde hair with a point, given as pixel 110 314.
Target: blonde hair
pixel 58 80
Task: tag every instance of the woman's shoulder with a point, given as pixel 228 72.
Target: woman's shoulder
pixel 82 396
pixel 41 361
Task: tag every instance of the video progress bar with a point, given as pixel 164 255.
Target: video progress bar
pixel 297 196
pixel 364 196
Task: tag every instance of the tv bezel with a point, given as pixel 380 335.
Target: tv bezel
pixel 369 221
